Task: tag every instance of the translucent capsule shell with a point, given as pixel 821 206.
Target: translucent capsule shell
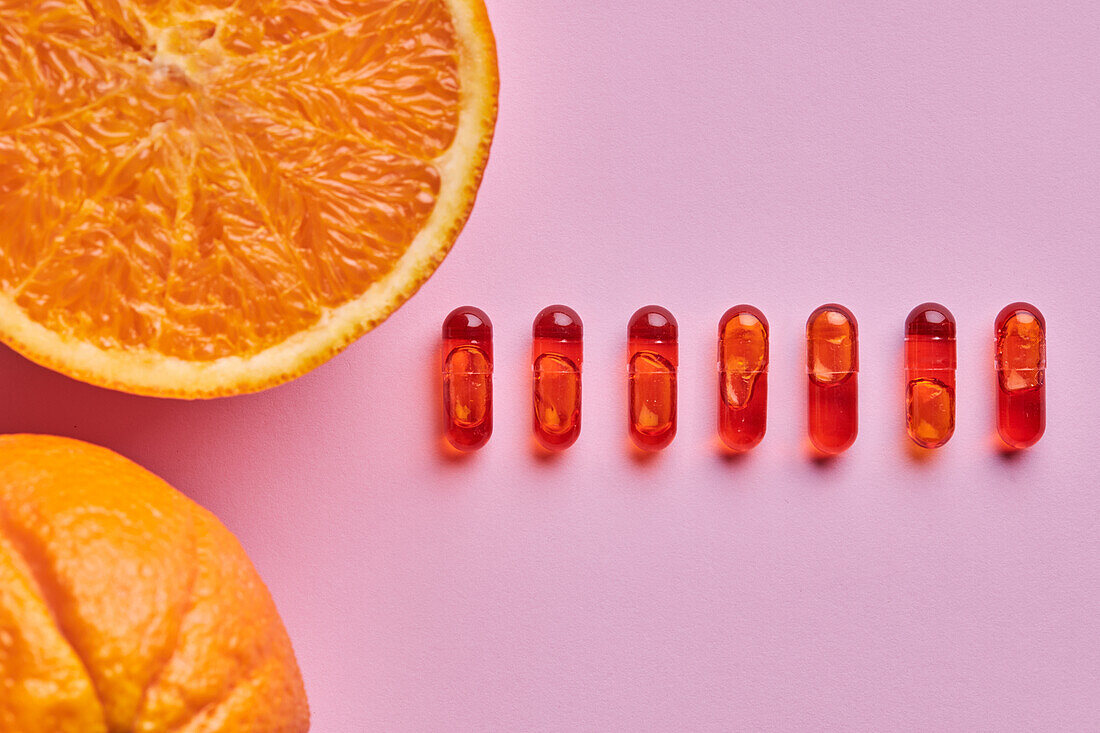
pixel 557 355
pixel 1020 361
pixel 653 359
pixel 742 377
pixel 468 378
pixel 930 361
pixel 832 365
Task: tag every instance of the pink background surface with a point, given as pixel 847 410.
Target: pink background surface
pixel 699 155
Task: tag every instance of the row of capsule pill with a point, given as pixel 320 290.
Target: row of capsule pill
pixel 832 365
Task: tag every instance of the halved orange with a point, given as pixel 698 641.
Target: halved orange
pixel 207 197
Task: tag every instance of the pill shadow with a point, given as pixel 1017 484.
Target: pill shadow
pixel 727 456
pixel 1005 452
pixel 450 454
pixel 544 456
pixel 39 400
pixel 916 454
pixel 821 461
pixel 640 456
pixel 731 457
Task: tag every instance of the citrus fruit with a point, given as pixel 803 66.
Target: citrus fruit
pixel 207 197
pixel 124 606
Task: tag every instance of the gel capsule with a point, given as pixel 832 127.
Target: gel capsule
pixel 1020 356
pixel 558 344
pixel 832 362
pixel 651 342
pixel 930 375
pixel 742 377
pixel 468 378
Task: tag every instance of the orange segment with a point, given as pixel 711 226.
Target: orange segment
pixel 204 197
pixel 37 55
pixel 349 80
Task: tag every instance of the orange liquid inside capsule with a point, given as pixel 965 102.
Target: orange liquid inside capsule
pixel 832 362
pixel 1020 355
pixel 468 378
pixel 742 377
pixel 930 375
pixel 652 344
pixel 558 351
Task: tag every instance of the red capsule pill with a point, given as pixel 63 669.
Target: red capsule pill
pixel 557 355
pixel 742 377
pixel 654 354
pixel 832 363
pixel 930 375
pixel 1020 356
pixel 468 378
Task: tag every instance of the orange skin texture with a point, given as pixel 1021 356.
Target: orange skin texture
pixel 125 606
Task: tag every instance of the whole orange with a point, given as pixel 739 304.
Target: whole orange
pixel 125 606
